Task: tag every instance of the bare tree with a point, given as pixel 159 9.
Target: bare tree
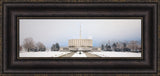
pixel 133 45
pixel 40 46
pixel 120 45
pixel 139 47
pixel 28 43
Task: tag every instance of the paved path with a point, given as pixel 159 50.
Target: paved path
pixel 91 55
pixel 68 55
pixel 79 55
pixel 76 54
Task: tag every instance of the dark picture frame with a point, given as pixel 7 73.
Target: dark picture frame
pixel 11 64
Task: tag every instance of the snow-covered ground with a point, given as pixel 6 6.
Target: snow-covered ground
pixel 42 54
pixel 116 54
pixel 49 53
pixel 79 55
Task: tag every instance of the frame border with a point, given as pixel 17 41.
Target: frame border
pixel 9 64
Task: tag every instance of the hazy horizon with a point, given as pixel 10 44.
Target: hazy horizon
pixel 49 31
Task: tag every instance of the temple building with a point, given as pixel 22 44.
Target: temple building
pixel 80 44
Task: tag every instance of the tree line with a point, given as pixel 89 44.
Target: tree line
pixel 122 46
pixel 30 45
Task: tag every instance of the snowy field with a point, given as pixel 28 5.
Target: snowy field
pixel 79 55
pixel 42 54
pixel 76 54
pixel 116 54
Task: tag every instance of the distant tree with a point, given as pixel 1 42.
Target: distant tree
pixel 114 46
pixel 109 48
pixel 124 45
pixel 57 46
pixel 133 45
pixel 53 47
pixel 118 45
pixel 28 43
pixel 40 46
pixel 139 47
pixel 102 47
pixel 106 46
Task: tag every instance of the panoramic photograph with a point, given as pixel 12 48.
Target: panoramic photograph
pixel 80 38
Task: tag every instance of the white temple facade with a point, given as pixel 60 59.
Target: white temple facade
pixel 80 44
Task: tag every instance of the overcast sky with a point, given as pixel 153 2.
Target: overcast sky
pixel 49 31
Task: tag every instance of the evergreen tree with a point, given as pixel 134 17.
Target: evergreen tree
pixel 114 46
pixel 106 47
pixel 53 47
pixel 57 46
pixel 102 47
pixel 124 45
pixel 109 48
